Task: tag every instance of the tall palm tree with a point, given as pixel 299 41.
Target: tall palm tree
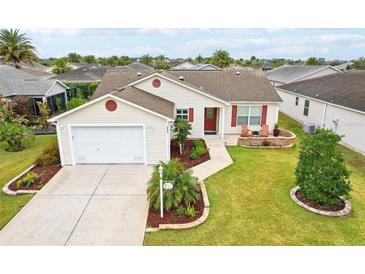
pixel 15 47
pixel 61 66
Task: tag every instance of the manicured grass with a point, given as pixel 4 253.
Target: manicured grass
pixel 11 164
pixel 250 204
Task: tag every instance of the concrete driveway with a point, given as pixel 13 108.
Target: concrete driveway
pixel 85 205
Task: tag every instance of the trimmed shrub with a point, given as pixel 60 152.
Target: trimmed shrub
pixel 180 211
pixel 321 172
pixel 197 143
pixel 193 156
pixel 199 150
pixel 186 190
pixel 50 155
pixel 75 102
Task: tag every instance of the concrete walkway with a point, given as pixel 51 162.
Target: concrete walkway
pixel 85 205
pixel 219 159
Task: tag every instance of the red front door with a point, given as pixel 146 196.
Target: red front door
pixel 210 119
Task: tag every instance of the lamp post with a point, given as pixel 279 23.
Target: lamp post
pixel 160 169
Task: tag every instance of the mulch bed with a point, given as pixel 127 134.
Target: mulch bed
pixel 185 157
pixel 303 199
pixel 45 174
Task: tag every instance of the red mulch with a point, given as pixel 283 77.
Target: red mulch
pixel 45 174
pixel 171 217
pixel 303 199
pixel 185 157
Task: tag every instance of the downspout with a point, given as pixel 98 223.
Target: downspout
pixel 60 148
pixel 324 116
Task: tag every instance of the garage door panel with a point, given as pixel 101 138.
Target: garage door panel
pixel 108 144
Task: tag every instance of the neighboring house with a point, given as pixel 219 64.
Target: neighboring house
pixel 344 66
pixel 199 67
pixel 292 73
pixel 335 101
pixel 266 66
pixel 138 65
pixel 15 83
pixel 130 117
pixel 35 69
pixel 90 73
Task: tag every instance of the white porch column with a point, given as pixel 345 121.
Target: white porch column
pixel 222 117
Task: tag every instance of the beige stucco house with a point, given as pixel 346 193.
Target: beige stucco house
pixel 129 119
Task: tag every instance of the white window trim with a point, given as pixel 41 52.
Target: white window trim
pixel 304 107
pixel 187 114
pixel 249 115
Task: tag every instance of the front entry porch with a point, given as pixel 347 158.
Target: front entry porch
pixel 213 122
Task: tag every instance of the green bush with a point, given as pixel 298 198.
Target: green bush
pixel 16 136
pixel 84 90
pixel 199 150
pixel 186 188
pixel 180 211
pixel 198 143
pixel 190 211
pixel 75 102
pixel 193 156
pixel 321 172
pixel 50 155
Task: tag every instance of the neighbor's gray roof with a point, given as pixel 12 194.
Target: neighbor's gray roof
pixel 345 89
pixel 14 82
pixel 88 73
pixel 225 85
pixel 146 100
pixel 140 66
pixel 34 69
pixel 290 73
pixel 190 66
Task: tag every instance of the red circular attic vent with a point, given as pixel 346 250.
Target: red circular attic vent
pixel 111 105
pixel 156 83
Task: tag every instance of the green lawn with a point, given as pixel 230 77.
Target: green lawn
pixel 250 204
pixel 11 164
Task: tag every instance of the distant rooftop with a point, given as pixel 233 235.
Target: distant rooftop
pixel 191 66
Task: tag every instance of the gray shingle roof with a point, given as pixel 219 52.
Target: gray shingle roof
pixel 290 73
pixel 14 82
pixel 146 100
pixel 345 89
pixel 251 86
pixel 88 73
pixel 190 66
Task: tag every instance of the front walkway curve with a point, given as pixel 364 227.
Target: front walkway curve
pixel 219 159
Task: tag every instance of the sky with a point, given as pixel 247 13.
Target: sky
pixel 343 44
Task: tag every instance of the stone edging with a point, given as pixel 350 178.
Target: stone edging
pixel 270 147
pixel 191 224
pixel 7 191
pixel 339 213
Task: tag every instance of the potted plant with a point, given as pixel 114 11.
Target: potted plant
pixel 276 130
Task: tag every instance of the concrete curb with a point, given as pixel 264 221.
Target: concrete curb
pixel 7 191
pixel 187 225
pixel 339 213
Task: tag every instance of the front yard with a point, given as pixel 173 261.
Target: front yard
pixel 11 164
pixel 250 204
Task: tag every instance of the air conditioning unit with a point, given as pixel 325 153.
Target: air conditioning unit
pixel 309 127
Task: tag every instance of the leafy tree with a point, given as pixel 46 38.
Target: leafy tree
pixel 181 131
pixel 124 61
pixel 321 172
pixel 44 113
pixel 75 102
pixel 199 59
pixel 160 62
pixel 89 59
pixel 15 135
pixel 359 63
pixel 61 66
pixel 8 112
pixel 184 193
pixel 74 57
pixel 146 59
pixel 15 47
pixel 253 58
pixel 312 61
pixel 221 59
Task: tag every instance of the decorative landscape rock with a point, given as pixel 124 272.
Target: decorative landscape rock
pixel 346 210
pixel 286 139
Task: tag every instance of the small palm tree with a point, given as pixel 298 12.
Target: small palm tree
pixel 61 66
pixel 74 57
pixel 15 47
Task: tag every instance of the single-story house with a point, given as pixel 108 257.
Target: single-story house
pixel 344 66
pixel 90 73
pixel 15 83
pixel 130 115
pixel 191 66
pixel 335 101
pixel 292 73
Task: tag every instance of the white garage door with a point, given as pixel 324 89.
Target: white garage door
pixel 110 145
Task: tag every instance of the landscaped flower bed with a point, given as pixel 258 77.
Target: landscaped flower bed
pixel 185 158
pixel 286 139
pixel 172 217
pixel 42 175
